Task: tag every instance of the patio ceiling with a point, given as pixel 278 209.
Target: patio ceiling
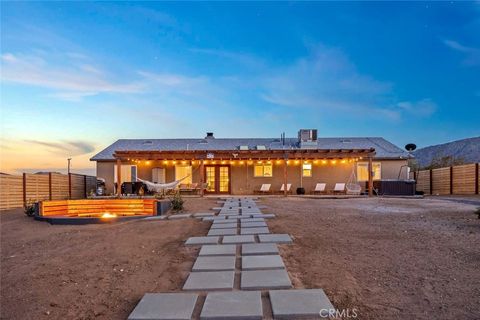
pixel 245 154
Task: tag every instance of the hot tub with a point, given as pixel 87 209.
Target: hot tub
pixel 394 187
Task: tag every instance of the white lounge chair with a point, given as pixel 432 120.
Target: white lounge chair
pixel 339 188
pixel 265 188
pixel 320 188
pixel 289 187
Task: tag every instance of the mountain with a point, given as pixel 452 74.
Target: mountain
pixel 466 151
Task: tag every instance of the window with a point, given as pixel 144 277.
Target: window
pixel 158 175
pixel 262 170
pixel 129 173
pixel 362 171
pixel 307 170
pixel 182 172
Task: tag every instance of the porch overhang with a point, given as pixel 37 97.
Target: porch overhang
pixel 190 155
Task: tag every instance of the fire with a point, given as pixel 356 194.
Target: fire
pixel 109 215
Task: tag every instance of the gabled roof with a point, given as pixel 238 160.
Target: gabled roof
pixel 383 148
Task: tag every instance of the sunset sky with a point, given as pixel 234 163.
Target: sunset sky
pixel 75 77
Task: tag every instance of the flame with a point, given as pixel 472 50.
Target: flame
pixel 108 215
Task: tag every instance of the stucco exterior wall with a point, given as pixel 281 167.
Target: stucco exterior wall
pixel 244 182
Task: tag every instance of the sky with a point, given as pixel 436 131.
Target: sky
pixel 77 76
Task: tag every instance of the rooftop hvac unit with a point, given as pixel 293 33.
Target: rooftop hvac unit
pixel 307 138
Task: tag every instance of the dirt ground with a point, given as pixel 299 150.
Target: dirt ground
pixel 91 271
pixel 387 258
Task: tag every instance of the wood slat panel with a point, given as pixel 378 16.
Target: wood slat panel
pixel 11 192
pixel 464 179
pixel 423 181
pixel 441 181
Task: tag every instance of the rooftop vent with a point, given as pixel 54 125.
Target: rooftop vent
pixel 307 138
pixel 147 142
pixel 261 147
pixel 243 148
pixel 203 141
pixel 346 141
pixel 209 135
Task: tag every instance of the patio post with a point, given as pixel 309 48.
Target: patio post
pixel 370 177
pixel 202 178
pixel 119 178
pixel 285 177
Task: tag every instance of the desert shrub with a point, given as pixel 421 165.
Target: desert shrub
pixel 177 202
pixel 29 208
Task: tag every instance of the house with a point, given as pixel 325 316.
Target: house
pixel 240 166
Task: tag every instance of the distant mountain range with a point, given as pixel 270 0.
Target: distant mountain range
pixel 466 150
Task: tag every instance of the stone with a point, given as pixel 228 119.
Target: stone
pixel 218 250
pixel 258 249
pixel 276 238
pixel 303 303
pixel 179 216
pixel 258 230
pixel 238 239
pixel 262 262
pixel 253 220
pixel 217 208
pixel 238 216
pixel 263 215
pixel 155 218
pixel 222 232
pixel 215 221
pixel 214 263
pixel 238 305
pixel 216 280
pixel 252 224
pixel 265 279
pixel 214 218
pixel 165 306
pixel 224 225
pixel 193 241
pixel 203 214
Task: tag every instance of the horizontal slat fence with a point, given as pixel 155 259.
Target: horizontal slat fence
pixel 460 180
pixel 16 190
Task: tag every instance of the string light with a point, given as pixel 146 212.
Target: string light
pixel 343 161
pixel 334 161
pixel 148 162
pixel 242 162
pixel 297 161
pixel 315 161
pixel 279 161
pixel 324 161
pixel 174 161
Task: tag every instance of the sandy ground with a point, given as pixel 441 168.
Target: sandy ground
pixel 387 258
pixel 92 271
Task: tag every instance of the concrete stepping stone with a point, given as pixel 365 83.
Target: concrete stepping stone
pixel 236 305
pixel 214 218
pixel 259 230
pixel 238 239
pixel 265 279
pixel 195 241
pixel 217 208
pixel 165 306
pixel 222 232
pixel 203 214
pixel 224 225
pixel 213 280
pixel 304 303
pixel 155 218
pixel 214 263
pixel 222 220
pixel 263 215
pixel 179 216
pixel 238 216
pixel 252 224
pixel 218 250
pixel 262 262
pixel 258 249
pixel 275 238
pixel 253 220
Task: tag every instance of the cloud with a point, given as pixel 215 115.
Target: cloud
pixel 70 148
pixel 422 108
pixel 472 55
pixel 62 74
pixel 242 58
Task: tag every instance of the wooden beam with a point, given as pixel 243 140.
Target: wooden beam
pixel 69 186
pixel 119 178
pixel 85 185
pixel 24 189
pixel 476 178
pixel 431 181
pixel 451 180
pixel 370 177
pixel 49 186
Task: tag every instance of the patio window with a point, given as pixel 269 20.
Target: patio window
pixel 182 172
pixel 362 171
pixel 263 170
pixel 129 173
pixel 158 175
pixel 307 170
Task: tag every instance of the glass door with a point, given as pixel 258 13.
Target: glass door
pixel 217 179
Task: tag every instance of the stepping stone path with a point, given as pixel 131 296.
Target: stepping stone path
pixel 238 274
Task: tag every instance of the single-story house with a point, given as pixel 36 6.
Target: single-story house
pixel 241 165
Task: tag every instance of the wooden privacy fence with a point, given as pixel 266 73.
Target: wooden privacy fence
pixel 462 180
pixel 15 191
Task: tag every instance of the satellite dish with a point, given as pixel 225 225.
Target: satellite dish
pixel 410 147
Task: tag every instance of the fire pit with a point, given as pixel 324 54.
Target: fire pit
pixel 87 211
